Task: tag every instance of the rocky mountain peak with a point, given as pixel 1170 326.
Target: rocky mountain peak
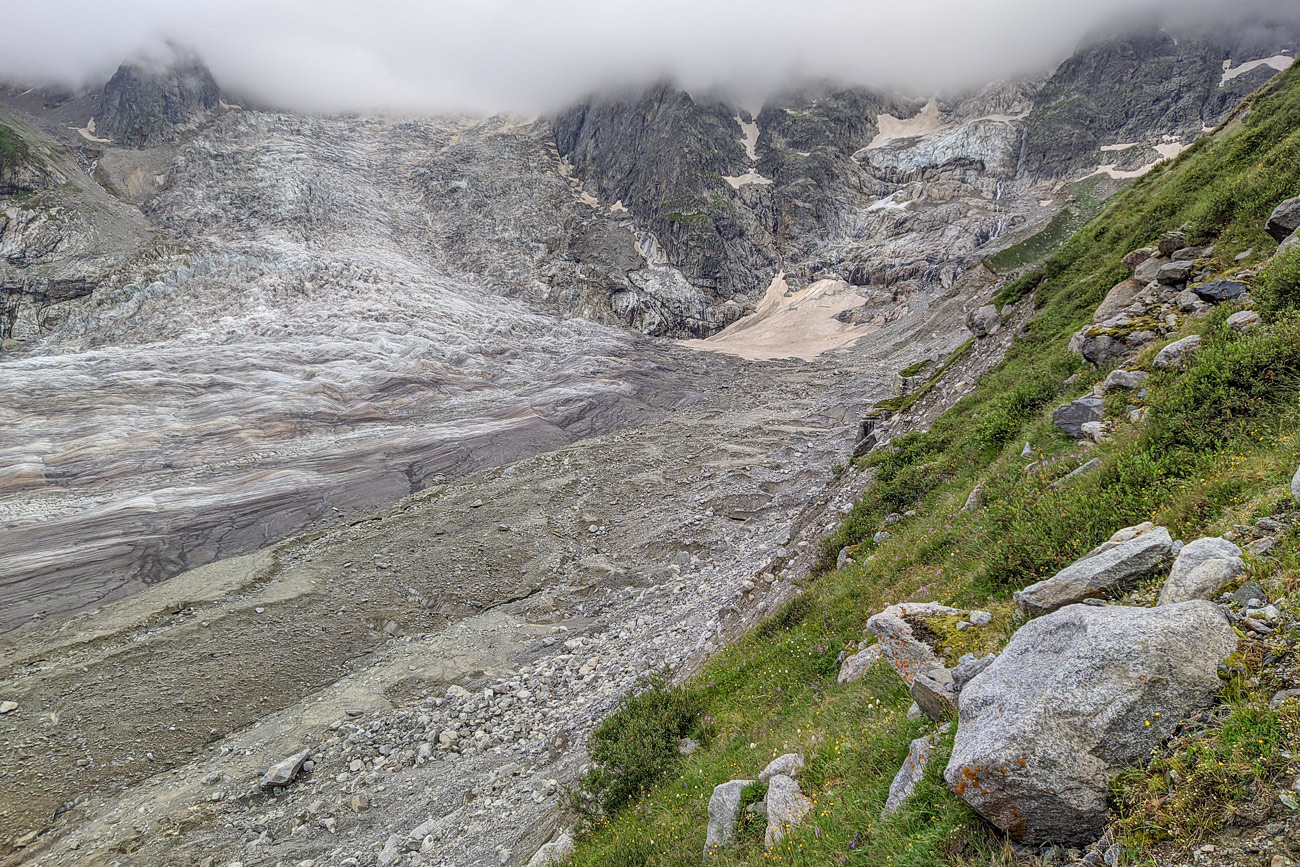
pixel 149 101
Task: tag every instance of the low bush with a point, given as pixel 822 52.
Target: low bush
pixel 1277 289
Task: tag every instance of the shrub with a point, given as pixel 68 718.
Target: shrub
pixel 1277 290
pixel 636 745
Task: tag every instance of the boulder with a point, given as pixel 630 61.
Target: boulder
pixel 283 772
pixel 1175 273
pixel 788 765
pixel 1171 241
pixel 904 649
pixel 984 321
pixel 935 694
pixel 1149 270
pixel 969 668
pixel 1098 349
pixel 1118 298
pixel 911 773
pixel 1192 253
pixel 1243 320
pixel 1074 415
pixel 724 809
pixel 1285 220
pixel 1137 257
pixel 1291 243
pixel 559 850
pixel 1220 291
pixel 786 807
pixel 1126 557
pixel 1075 697
pixel 1188 301
pixel 860 663
pixel 1124 380
pixel 1201 570
pixel 1176 354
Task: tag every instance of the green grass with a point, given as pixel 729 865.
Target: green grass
pixel 1082 208
pixel 904 402
pixel 1219 450
pixel 13 150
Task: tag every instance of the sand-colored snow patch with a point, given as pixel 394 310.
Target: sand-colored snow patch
pixel 790 324
pixel 88 133
pixel 1167 149
pixel 888 203
pixel 1170 149
pixel 750 140
pixel 589 199
pixel 229 106
pixel 1280 62
pixel 750 177
pixel 618 207
pixel 892 129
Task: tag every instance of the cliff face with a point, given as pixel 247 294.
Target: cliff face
pixel 145 105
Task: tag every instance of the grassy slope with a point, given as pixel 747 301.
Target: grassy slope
pixel 1219 450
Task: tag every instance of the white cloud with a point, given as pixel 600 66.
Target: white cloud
pixel 530 55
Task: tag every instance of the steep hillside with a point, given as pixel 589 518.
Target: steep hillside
pixel 974 507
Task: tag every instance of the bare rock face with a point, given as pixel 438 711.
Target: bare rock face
pixel 1130 554
pixel 1077 696
pixel 147 103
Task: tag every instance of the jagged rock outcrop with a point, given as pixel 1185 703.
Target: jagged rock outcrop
pixel 152 101
pixel 1075 697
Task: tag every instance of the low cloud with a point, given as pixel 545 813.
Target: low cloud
pixel 532 55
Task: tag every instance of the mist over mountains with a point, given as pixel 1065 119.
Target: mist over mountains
pixel 341 55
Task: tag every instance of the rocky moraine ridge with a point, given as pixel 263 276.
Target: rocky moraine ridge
pixel 351 468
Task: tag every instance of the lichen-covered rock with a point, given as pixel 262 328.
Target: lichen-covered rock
pixel 1129 555
pixel 786 807
pixel 1176 354
pixel 724 809
pixel 1075 697
pixel 1201 570
pixel 901 631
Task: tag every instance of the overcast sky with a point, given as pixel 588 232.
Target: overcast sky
pixel 529 55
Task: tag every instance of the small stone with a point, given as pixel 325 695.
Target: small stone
pixel 855 666
pixel 688 746
pixel 1243 320
pixel 934 694
pixel 1170 242
pixel 8 706
pixel 981 618
pixel 1124 380
pixel 880 538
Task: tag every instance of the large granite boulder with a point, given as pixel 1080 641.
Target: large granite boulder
pixel 1130 555
pixel 1117 300
pixel 1201 570
pixel 1075 697
pixel 984 321
pixel 1284 220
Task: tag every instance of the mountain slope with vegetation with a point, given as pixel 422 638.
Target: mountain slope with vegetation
pixel 1214 453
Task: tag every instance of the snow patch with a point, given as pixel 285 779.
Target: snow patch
pixel 750 140
pixel 1280 62
pixel 790 324
pixel 88 133
pixel 750 177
